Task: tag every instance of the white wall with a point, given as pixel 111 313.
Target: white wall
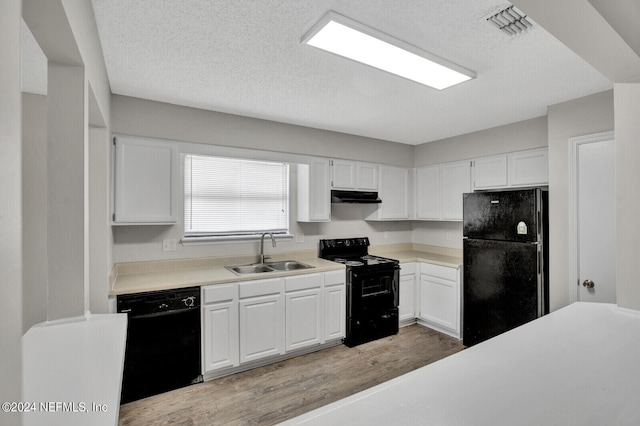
pixel 10 209
pixel 132 116
pixel 34 202
pixel 78 93
pixel 528 134
pixel 139 117
pixel 583 116
pixel 627 124
pixel 100 235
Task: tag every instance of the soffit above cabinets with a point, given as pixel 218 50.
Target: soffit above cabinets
pixel 245 57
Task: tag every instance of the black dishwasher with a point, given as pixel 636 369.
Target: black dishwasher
pixel 163 342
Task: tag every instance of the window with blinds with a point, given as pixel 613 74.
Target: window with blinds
pixel 234 197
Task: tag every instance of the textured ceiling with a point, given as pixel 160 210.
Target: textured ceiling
pixel 244 57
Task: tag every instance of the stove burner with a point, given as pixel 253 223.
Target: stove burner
pixel 348 262
pixel 368 260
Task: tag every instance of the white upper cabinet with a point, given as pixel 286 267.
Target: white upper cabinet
pixel 145 182
pixel 490 172
pixel 528 168
pixel 394 190
pixel 513 170
pixel 314 191
pixel 343 174
pixel 367 176
pixel 428 193
pixel 439 190
pixel 455 181
pixel 354 175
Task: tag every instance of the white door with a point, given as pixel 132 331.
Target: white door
pixel 394 191
pixel 303 318
pixel 456 180
pixel 595 217
pixel 428 192
pixel 220 331
pixel 261 327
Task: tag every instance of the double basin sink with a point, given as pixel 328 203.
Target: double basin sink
pixel 257 268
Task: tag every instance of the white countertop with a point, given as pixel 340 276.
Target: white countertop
pixel 405 256
pixel 136 277
pixel 72 371
pixel 153 276
pixel 577 366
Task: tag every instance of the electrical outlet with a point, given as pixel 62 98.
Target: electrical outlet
pixel 386 234
pixel 300 238
pixel 169 245
pixel 448 236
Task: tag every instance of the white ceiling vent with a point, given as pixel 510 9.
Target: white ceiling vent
pixel 510 21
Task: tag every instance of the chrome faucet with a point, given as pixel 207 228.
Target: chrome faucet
pixel 273 241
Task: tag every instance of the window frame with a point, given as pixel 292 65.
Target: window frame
pixel 222 238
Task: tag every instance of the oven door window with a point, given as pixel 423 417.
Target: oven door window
pixel 373 291
pixel 376 286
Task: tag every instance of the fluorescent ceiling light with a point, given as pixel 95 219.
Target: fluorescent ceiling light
pixel 344 37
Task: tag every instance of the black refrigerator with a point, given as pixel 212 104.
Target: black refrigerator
pixel 505 267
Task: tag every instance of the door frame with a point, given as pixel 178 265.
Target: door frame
pixel 574 144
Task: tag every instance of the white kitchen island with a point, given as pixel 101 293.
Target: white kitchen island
pixel 579 365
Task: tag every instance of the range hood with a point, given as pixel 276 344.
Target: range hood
pixel 355 197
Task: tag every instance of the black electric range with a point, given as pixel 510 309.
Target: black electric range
pixel 372 289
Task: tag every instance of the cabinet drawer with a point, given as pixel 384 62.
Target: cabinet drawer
pixel 443 272
pixel 335 277
pixel 219 293
pixel 302 282
pixel 260 288
pixel 407 268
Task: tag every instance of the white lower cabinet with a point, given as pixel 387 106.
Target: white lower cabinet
pixel 303 311
pixel 220 337
pixel 335 305
pixel 257 320
pixel 407 303
pixel 439 296
pixel 261 319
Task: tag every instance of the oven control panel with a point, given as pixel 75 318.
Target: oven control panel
pixel 347 242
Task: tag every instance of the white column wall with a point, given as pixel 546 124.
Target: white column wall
pixel 627 124
pixel 10 208
pixel 66 192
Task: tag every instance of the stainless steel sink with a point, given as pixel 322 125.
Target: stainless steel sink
pixel 249 269
pixel 288 265
pixel 259 268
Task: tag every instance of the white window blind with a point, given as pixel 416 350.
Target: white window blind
pixel 229 196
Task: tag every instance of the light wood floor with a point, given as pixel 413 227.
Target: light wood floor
pixel 274 393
